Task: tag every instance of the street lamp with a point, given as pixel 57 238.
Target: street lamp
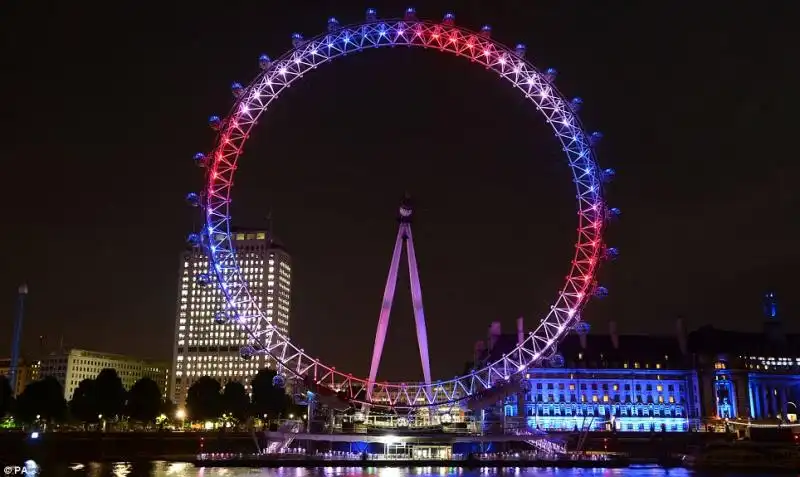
pixel 180 415
pixel 791 416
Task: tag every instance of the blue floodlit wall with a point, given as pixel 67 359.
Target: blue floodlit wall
pixel 628 400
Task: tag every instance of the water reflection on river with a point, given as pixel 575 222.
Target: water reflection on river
pixel 161 469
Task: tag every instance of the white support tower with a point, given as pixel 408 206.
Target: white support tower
pixel 403 237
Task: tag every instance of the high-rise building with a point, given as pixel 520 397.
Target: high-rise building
pixel 203 347
pixel 71 366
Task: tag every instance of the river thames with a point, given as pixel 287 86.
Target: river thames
pixel 172 469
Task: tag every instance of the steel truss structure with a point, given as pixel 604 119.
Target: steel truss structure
pixel 510 65
pixel 403 237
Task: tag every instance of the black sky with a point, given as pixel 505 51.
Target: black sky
pixel 104 103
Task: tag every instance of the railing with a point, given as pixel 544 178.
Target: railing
pixel 338 456
pixel 287 426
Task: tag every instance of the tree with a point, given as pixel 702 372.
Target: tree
pixel 167 408
pixel 110 393
pixel 144 401
pixel 44 398
pixel 235 400
pixel 203 399
pixel 6 397
pixel 268 399
pixel 83 405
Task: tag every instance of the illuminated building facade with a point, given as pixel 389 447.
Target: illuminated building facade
pixel 749 376
pixel 631 383
pixel 27 372
pixel 628 383
pixel 203 345
pixel 72 366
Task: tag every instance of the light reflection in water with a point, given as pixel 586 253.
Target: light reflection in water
pixel 121 469
pixel 182 469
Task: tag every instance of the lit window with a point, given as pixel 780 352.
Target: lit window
pixel 659 388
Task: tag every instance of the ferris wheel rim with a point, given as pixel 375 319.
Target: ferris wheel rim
pixel 591 208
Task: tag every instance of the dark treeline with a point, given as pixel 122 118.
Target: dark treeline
pixel 105 399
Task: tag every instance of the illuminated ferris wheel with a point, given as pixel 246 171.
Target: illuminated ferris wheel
pixel 339 389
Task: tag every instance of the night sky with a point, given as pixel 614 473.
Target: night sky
pixel 104 104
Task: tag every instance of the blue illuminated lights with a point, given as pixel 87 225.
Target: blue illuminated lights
pixel 193 199
pixel 536 86
pixel 605 399
pixel 193 239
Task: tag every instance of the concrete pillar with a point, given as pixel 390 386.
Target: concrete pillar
pixel 756 400
pixel 774 398
pixel 765 401
pixel 783 400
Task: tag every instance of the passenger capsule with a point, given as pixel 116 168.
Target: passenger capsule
pixel 264 62
pixel 486 30
pixel 215 122
pixel 246 352
pixel 200 159
pixel 613 213
pixel 297 39
pixel 576 104
pixel 550 74
pixel 278 381
pixel 372 15
pixel 611 254
pixel 221 317
pixel 333 24
pixel 193 239
pixel 600 292
pixel 582 328
pixel 410 14
pixel 203 279
pixel 595 138
pixel 608 175
pixel 449 19
pixel 520 50
pixel 237 89
pixel 193 199
pixel 557 361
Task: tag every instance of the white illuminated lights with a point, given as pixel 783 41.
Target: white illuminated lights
pixel 535 87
